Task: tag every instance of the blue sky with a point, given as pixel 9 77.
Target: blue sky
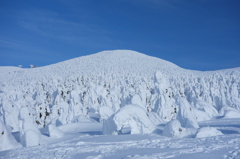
pixel 194 34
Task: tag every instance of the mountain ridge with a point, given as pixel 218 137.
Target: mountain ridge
pixel 118 60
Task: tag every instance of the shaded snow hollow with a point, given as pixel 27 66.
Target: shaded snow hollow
pixel 119 91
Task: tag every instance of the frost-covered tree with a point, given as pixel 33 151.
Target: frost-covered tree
pixel 7 141
pixel 29 133
pixel 134 118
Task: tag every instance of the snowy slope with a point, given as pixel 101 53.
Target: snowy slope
pixel 124 62
pixel 121 91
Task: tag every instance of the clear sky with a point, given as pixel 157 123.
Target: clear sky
pixel 194 34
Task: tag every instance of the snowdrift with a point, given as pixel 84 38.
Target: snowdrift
pixel 207 132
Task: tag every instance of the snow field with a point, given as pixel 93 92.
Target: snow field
pixel 79 145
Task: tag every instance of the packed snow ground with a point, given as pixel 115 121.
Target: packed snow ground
pixel 119 104
pixel 83 145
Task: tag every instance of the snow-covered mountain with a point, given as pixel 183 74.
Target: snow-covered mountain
pixel 126 91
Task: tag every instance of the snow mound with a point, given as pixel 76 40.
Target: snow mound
pixel 135 118
pixel 54 131
pixel 207 132
pixel 81 127
pixel 232 114
pixel 174 129
pixel 7 141
pixel 229 112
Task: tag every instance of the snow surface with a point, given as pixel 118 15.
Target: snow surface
pixel 55 131
pixel 134 117
pixel 7 141
pixel 99 100
pixel 174 129
pixel 207 132
pixel 29 133
pixel 137 146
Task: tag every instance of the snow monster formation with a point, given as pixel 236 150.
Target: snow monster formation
pixel 126 91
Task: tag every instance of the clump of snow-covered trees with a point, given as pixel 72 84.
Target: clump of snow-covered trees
pixel 163 98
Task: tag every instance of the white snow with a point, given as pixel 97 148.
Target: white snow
pixel 207 132
pixel 135 118
pixel 89 102
pixel 113 79
pixel 232 114
pixel 54 131
pixel 79 145
pixel 7 141
pixel 174 129
pixel 186 115
pixel 105 112
pixel 29 133
pixel 229 112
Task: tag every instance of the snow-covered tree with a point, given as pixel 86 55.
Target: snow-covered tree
pixel 7 141
pixel 29 133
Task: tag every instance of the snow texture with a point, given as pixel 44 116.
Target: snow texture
pixel 185 115
pixel 174 129
pixel 7 141
pixel 207 132
pixel 135 118
pixel 54 131
pixel 29 133
pixel 226 146
pixel 113 92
